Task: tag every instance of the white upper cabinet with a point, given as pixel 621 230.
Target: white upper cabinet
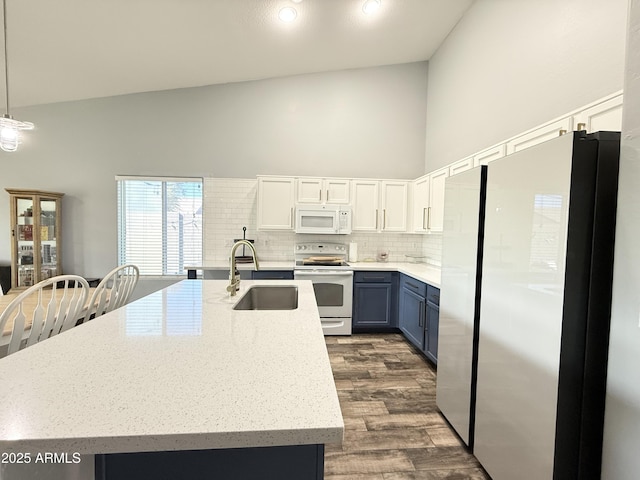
pixel 489 155
pixel 275 203
pixel 420 204
pixel 435 213
pixel 365 198
pixel 394 206
pixel 379 206
pixel 337 190
pixel 539 135
pixel 605 116
pixel 323 190
pixel 427 211
pixel 461 166
pixel 309 190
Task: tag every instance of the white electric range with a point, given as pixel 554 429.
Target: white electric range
pixel 325 265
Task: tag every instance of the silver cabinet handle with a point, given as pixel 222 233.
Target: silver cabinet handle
pixel 384 219
pixel 320 195
pixel 582 126
pixel 424 210
pixel 376 218
pixel 291 217
pixel 420 316
pixel 428 218
pixel 561 132
pixel 327 194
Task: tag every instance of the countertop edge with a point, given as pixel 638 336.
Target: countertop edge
pixel 420 271
pixel 180 442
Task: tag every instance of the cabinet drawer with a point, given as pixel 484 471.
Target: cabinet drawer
pixel 414 285
pixel 433 295
pixel 373 277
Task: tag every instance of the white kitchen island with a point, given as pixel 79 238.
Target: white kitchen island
pixel 180 385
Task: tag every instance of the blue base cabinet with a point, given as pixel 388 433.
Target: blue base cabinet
pixel 375 301
pixel 432 321
pixel 272 275
pixel 294 462
pixel 418 315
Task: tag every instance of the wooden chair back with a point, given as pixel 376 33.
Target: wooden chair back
pixel 113 291
pixel 48 307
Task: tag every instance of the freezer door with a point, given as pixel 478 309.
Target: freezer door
pixel 463 228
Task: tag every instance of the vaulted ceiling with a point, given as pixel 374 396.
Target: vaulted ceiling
pixel 76 49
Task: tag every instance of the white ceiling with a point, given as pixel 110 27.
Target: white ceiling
pixel 63 50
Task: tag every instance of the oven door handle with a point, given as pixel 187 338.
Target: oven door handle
pixel 323 272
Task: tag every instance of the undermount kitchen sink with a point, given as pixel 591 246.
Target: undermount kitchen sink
pixel 269 297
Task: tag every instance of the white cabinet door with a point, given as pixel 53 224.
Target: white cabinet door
pixel 323 190
pixel 309 190
pixel 489 155
pixel 461 166
pixel 604 116
pixel 275 203
pixel 435 213
pixel 337 190
pixel 539 135
pixel 420 204
pixel 394 206
pixel 364 194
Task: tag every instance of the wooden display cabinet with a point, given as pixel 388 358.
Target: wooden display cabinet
pixel 35 236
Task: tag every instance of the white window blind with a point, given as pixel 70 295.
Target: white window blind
pixel 159 224
pixel 545 249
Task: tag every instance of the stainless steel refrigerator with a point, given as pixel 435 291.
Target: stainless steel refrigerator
pixel 460 287
pixel 543 323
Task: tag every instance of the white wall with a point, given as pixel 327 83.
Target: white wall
pixel 622 415
pixel 365 122
pixel 510 65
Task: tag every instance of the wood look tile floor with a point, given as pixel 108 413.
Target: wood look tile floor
pixel 393 429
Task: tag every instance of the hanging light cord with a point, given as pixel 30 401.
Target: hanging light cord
pixel 6 62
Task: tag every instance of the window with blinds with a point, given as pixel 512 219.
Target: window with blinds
pixel 160 223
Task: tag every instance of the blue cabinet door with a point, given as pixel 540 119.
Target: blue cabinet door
pixel 372 305
pixel 412 316
pixel 431 343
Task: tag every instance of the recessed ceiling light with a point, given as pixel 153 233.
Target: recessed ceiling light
pixel 371 6
pixel 296 1
pixel 287 14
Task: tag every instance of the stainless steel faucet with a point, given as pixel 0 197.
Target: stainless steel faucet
pixel 234 283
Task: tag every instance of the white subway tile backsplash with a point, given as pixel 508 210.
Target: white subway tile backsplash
pixel 230 204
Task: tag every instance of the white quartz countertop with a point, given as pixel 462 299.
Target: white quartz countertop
pixel 175 370
pixel 420 271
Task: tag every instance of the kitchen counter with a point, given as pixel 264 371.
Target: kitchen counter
pixel 176 370
pixel 420 271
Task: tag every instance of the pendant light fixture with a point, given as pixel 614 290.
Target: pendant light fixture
pixel 9 127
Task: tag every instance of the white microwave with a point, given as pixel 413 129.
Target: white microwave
pixel 323 219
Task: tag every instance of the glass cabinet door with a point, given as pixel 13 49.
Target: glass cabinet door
pixel 25 241
pixel 48 239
